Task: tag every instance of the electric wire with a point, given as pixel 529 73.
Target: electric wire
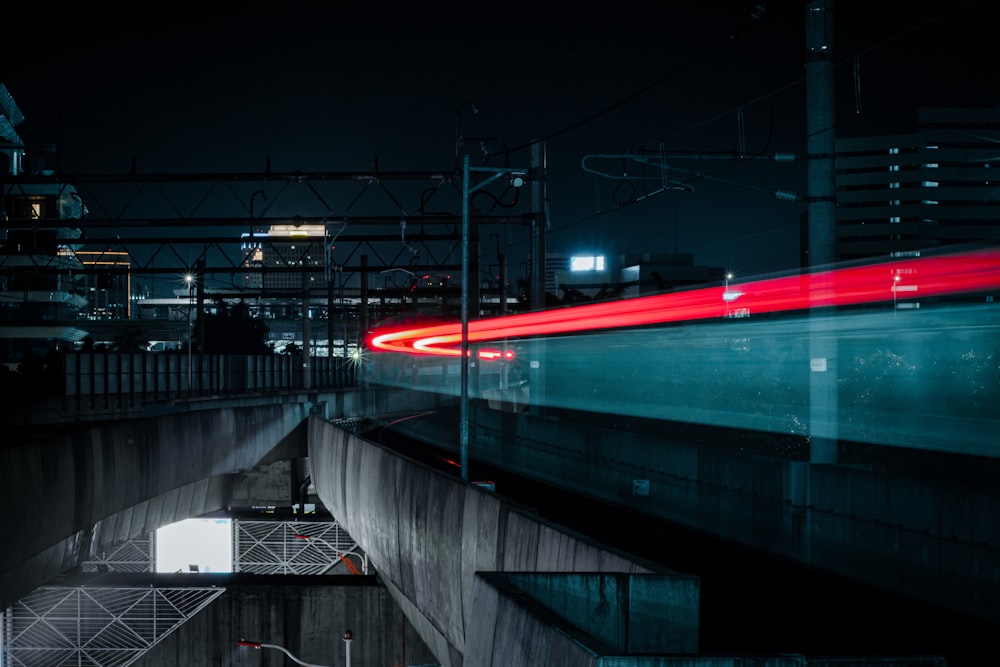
pixel 768 96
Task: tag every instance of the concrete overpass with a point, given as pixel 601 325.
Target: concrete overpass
pixel 483 579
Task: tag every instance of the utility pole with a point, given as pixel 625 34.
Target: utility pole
pixel 199 277
pixel 306 333
pixel 463 420
pixel 536 287
pixel 820 148
pixel 470 288
pixel 536 290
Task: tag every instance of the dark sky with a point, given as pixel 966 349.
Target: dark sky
pixel 332 88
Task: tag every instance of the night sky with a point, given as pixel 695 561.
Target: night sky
pixel 333 89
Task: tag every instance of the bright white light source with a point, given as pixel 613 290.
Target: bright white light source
pixel 586 263
pixel 205 544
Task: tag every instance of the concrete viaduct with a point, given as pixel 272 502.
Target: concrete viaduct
pixel 481 579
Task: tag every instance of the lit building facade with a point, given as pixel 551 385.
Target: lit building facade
pixel 108 283
pixel 902 194
pixel 275 259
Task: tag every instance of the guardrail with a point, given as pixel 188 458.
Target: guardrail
pixel 109 384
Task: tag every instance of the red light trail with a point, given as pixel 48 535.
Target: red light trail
pixel 917 277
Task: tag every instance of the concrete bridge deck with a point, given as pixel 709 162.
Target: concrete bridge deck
pixel 435 540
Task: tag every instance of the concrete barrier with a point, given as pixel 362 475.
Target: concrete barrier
pixel 74 490
pixel 430 535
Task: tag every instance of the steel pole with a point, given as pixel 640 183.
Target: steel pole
pixel 464 401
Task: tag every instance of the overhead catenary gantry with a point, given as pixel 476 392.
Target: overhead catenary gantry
pixel 168 224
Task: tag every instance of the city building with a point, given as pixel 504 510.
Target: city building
pixel 581 277
pixel 556 264
pixel 653 273
pixel 109 285
pixel 40 286
pixel 898 195
pixel 274 259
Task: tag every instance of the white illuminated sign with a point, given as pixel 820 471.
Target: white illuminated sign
pixel 586 263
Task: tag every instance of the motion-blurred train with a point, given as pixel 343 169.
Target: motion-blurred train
pixel 746 356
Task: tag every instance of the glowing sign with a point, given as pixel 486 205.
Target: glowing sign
pixel 586 263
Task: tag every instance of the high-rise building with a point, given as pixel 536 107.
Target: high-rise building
pixel 39 227
pixel 898 195
pixel 275 259
pixel 109 284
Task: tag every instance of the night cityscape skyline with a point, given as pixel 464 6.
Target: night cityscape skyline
pixel 591 337
pixel 348 90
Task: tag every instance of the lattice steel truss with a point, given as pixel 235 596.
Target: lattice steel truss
pixel 95 626
pixel 259 547
pixel 136 555
pixel 293 547
pixel 113 626
pixel 405 219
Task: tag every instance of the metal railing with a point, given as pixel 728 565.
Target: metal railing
pixel 108 384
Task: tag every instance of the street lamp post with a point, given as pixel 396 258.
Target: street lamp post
pixel 189 279
pixel 725 292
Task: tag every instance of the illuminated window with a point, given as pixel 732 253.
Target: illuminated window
pixel 586 263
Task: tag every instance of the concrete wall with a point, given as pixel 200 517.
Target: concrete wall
pixel 77 489
pixel 514 628
pixel 929 539
pixel 73 489
pixel 429 534
pixel 308 620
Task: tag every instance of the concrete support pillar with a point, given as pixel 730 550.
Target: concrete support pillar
pixel 820 138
